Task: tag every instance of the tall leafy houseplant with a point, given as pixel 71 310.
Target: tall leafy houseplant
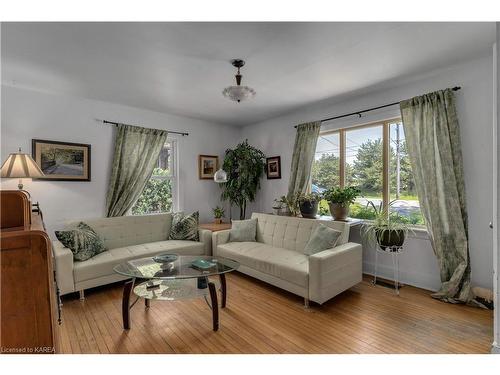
pixel 244 166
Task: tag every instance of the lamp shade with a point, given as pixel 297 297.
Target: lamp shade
pixel 220 176
pixel 20 165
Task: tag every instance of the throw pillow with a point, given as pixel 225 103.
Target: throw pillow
pixel 243 231
pixel 184 227
pixel 322 238
pixel 83 241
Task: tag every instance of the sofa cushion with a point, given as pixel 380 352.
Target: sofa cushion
pixel 184 227
pixel 243 230
pixel 102 264
pixel 82 240
pixel 132 230
pixel 293 233
pixel 322 238
pixel 284 264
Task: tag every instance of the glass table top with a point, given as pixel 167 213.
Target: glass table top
pixel 182 268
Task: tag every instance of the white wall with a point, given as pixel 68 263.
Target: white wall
pixel 474 102
pixel 28 114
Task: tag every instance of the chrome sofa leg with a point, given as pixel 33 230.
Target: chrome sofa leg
pixel 306 302
pixel 82 295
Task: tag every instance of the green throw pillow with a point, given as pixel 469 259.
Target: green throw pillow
pixel 83 241
pixel 322 238
pixel 243 231
pixel 184 227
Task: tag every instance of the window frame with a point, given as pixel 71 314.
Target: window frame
pixel 386 135
pixel 173 176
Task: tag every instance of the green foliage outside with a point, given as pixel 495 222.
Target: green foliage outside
pixel 156 196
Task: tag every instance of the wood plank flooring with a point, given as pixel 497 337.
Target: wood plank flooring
pixel 260 318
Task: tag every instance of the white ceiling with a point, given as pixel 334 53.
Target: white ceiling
pixel 181 68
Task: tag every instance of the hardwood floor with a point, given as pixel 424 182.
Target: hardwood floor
pixel 262 319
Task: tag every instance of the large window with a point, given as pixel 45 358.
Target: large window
pixel 374 159
pixel 159 191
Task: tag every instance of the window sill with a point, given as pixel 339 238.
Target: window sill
pixel 416 231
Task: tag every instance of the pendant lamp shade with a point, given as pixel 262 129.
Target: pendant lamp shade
pixel 220 176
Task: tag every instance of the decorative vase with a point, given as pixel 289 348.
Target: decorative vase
pixel 339 211
pixel 217 221
pixel 308 209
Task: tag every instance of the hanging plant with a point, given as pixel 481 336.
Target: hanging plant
pixel 245 167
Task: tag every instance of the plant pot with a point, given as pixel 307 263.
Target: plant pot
pixel 218 221
pixel 339 211
pixel 390 238
pixel 308 210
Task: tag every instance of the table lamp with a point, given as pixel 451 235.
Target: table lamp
pixel 20 165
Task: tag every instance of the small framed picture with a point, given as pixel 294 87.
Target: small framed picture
pixel 207 166
pixel 273 169
pixel 62 161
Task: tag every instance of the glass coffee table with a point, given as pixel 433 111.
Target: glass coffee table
pixel 179 279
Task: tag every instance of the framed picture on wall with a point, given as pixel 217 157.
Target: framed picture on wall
pixel 207 166
pixel 273 167
pixel 62 161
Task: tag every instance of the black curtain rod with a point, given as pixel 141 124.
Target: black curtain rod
pixel 119 123
pixel 456 88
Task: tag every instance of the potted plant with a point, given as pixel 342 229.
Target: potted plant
pixel 219 213
pixel 287 206
pixel 279 207
pixel 339 200
pixel 245 166
pixel 388 229
pixel 308 204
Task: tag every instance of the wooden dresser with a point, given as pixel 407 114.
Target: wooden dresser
pixel 29 305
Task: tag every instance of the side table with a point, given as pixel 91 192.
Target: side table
pixel 215 227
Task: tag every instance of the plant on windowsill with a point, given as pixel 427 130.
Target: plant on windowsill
pixel 219 213
pixel 339 200
pixel 287 206
pixel 308 204
pixel 388 229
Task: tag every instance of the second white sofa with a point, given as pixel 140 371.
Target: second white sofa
pixel 277 257
pixel 125 237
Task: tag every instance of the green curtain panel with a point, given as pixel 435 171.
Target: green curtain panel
pixel 433 140
pixel 303 157
pixel 135 156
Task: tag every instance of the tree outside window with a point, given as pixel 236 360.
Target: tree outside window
pixel 157 194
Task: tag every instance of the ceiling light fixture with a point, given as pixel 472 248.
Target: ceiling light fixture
pixel 238 92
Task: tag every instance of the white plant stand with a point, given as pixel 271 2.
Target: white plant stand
pixel 394 251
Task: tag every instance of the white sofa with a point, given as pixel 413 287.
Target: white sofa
pixel 277 257
pixel 126 238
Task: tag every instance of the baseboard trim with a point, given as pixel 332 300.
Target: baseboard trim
pixel 495 348
pixel 408 278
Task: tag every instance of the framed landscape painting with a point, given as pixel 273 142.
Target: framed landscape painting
pixel 62 161
pixel 273 167
pixel 207 166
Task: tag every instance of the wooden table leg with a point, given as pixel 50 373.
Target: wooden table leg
pixel 127 291
pixel 223 289
pixel 215 305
